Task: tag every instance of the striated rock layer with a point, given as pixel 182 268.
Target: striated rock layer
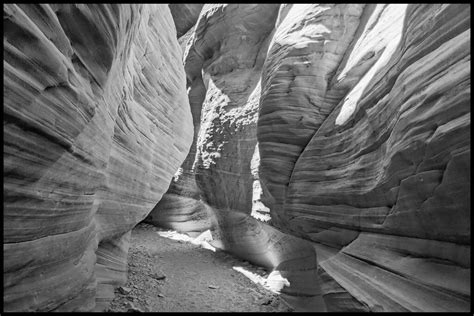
pixel 223 62
pixel 308 45
pixel 294 258
pixel 96 122
pixel 385 174
pixel 215 185
pixel 362 117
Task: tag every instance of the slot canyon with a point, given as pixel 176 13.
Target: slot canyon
pixel 325 147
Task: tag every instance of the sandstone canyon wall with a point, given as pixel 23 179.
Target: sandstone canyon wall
pixel 350 123
pixel 96 122
pixel 377 178
pixel 223 62
pixel 330 142
pixel 386 178
pixel 214 187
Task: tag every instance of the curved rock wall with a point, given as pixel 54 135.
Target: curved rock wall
pixel 223 62
pixel 386 173
pixel 96 122
pixel 362 120
pixel 294 258
pixel 378 176
pixel 308 45
pixel 232 41
pixel 384 138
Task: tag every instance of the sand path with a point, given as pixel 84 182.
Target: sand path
pixel 196 279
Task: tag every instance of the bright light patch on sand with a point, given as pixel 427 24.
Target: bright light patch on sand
pixel 201 240
pixel 260 216
pixel 274 282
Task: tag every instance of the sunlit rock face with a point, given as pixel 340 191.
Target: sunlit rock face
pixel 308 45
pixel 362 117
pixel 292 257
pixel 96 122
pixel 379 164
pixel 230 41
pixel 223 62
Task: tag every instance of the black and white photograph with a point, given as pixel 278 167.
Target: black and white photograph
pixel 239 157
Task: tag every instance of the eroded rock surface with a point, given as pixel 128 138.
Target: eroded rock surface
pixel 308 45
pixel 96 122
pixel 386 176
pixel 294 258
pixel 215 186
pixel 223 61
pixel 347 124
pixel 362 120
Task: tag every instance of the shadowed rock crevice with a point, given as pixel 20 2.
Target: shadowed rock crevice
pixel 184 16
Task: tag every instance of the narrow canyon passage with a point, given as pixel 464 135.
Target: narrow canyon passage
pixel 166 275
pixel 327 144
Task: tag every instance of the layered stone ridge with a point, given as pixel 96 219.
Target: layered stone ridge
pixel 385 175
pixel 96 122
pixel 223 61
pixel 354 119
pixel 346 124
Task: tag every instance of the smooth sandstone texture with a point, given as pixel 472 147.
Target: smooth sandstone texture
pixel 223 61
pixel 231 40
pixel 294 258
pixel 386 174
pixel 218 182
pixel 308 45
pixel 96 122
pixel 349 122
pixel 362 121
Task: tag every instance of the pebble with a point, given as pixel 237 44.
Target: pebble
pixel 158 276
pixel 136 310
pixel 128 305
pixel 213 287
pixel 124 290
pixel 265 301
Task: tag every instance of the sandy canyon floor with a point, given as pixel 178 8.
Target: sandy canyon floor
pixel 166 275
